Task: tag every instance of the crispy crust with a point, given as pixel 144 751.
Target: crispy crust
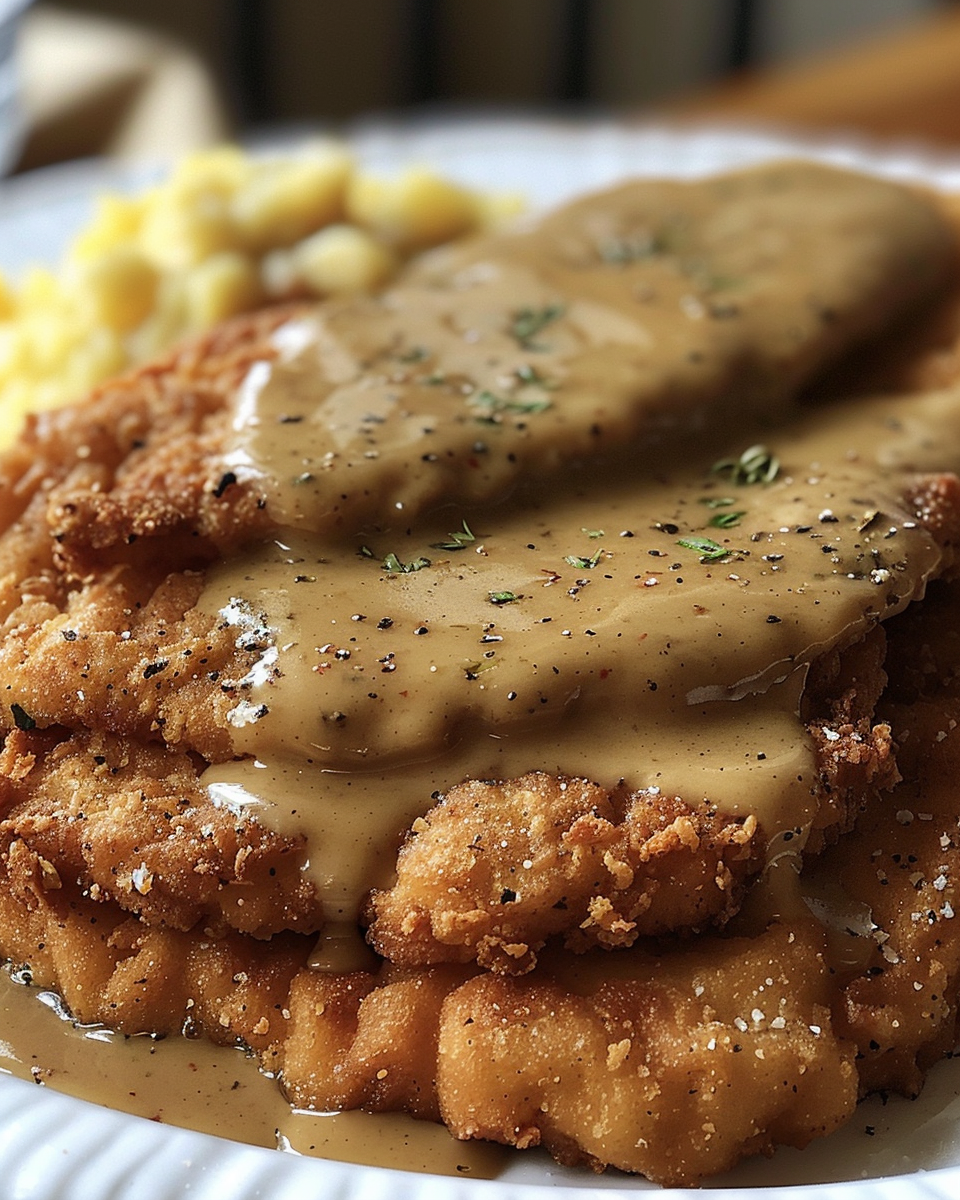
pixel 494 870
pixel 134 461
pixel 133 824
pixel 639 1051
pixel 648 1068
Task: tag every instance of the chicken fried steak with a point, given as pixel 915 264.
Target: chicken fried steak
pixel 450 694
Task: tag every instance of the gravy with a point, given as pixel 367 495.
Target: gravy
pixel 195 1085
pixel 471 578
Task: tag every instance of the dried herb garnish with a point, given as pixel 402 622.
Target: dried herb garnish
pixel 393 564
pixel 707 548
pixel 528 322
pixel 494 405
pixel 502 597
pixel 22 719
pixel 583 564
pixel 620 251
pixel 755 465
pixel 532 378
pixel 473 669
pixel 457 541
pixel 726 520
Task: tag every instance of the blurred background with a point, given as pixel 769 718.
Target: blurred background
pixel 157 77
pixel 108 256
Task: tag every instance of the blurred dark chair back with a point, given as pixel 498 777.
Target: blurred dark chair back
pixel 290 60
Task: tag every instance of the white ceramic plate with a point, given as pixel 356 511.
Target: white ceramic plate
pixel 53 1147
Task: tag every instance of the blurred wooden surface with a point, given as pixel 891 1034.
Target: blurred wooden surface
pixel 904 84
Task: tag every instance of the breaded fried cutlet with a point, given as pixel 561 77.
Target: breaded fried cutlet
pixel 457 695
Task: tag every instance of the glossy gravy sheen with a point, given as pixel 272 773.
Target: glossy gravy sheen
pixel 193 1084
pixel 483 483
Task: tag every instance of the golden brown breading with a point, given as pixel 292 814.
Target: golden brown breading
pixel 674 1067
pixel 856 764
pixel 151 908
pixel 900 872
pixel 900 877
pixel 741 1041
pixel 128 654
pixel 366 1041
pixel 135 460
pixel 111 967
pixel 113 510
pixel 696 1031
pixel 130 822
pixel 494 870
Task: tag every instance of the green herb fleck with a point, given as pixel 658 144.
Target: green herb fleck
pixel 707 548
pixel 528 322
pixel 366 552
pixel 493 406
pixel 583 564
pixel 591 533
pixel 502 597
pixel 726 520
pixel 414 355
pixel 532 378
pixel 393 564
pixel 457 541
pixel 634 247
pixel 755 465
pixel 717 501
pixel 22 719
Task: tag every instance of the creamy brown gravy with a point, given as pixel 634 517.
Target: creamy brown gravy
pixel 440 603
pixel 195 1085
pixel 364 722
pixel 667 300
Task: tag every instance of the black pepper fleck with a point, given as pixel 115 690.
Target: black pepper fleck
pixel 228 478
